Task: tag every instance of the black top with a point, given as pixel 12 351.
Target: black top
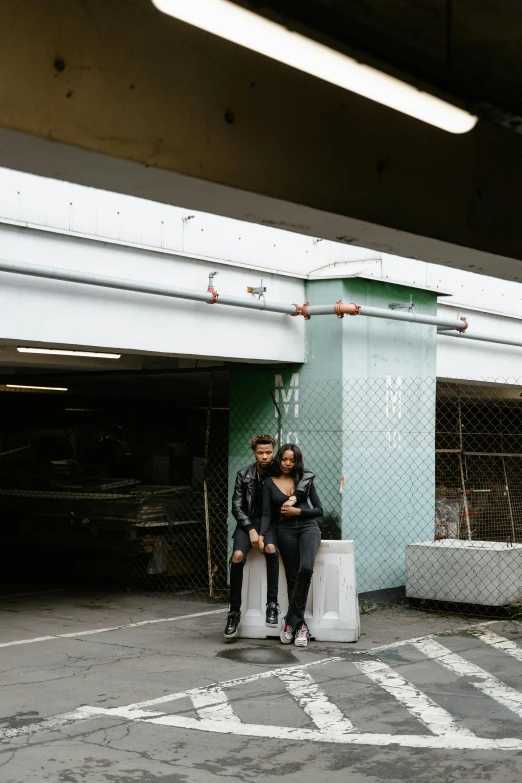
pixel 258 505
pixel 273 499
pixel 248 490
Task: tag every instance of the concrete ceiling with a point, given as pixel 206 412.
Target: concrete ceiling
pixel 119 96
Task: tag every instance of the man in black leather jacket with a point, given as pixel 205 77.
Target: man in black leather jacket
pixel 246 509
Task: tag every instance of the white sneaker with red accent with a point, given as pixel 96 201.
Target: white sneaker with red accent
pixel 302 636
pixel 287 634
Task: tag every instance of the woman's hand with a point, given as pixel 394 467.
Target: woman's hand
pixel 290 511
pixel 261 543
pixel 290 502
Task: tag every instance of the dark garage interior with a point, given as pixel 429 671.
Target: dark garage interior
pixel 119 482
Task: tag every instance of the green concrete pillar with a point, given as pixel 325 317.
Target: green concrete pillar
pixel 362 409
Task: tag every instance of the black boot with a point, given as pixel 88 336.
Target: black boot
pixel 233 620
pixel 272 615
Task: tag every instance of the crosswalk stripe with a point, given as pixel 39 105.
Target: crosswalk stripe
pixel 487 683
pixel 499 642
pixel 432 715
pixel 314 701
pixel 213 704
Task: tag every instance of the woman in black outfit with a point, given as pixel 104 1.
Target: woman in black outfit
pixel 299 535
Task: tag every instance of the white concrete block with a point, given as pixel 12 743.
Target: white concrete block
pixel 470 572
pixel 332 611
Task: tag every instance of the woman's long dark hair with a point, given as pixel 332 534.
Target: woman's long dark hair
pixel 299 464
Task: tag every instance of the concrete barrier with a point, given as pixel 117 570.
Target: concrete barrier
pixel 332 611
pixel 470 572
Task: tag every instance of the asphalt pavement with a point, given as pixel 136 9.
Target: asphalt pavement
pixel 109 688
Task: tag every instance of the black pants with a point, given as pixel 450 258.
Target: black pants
pixel 298 545
pixel 242 544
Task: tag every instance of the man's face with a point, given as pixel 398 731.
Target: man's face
pixel 264 455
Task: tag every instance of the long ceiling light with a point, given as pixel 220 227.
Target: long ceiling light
pixel 248 29
pixel 59 352
pixel 22 387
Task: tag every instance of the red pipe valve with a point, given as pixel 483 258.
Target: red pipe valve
pixel 341 309
pixel 304 311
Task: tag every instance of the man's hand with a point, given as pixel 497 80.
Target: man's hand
pixel 290 502
pixel 289 511
pixel 254 538
pixel 261 540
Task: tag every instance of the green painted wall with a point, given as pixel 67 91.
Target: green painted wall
pixel 363 411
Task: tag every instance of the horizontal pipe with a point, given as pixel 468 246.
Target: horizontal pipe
pixel 321 310
pixel 158 289
pixel 412 317
pixel 212 297
pixel 102 281
pixel 486 338
pixel 393 315
pixel 257 304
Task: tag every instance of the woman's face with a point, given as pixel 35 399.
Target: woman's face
pixel 288 461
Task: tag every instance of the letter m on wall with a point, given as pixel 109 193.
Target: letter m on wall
pixel 287 395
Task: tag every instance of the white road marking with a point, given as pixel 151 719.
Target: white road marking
pixel 499 643
pixel 432 715
pixel 74 634
pixel 213 704
pixel 140 709
pixel 450 742
pixel 33 592
pixel 454 630
pixel 49 724
pixel 314 701
pixel 487 683
pixel 215 713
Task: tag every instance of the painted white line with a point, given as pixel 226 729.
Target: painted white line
pixel 216 713
pixel 34 592
pixel 49 724
pixel 485 682
pixel 140 709
pixel 75 634
pixel 450 742
pixel 211 701
pixel 499 643
pixel 403 642
pixel 213 704
pixel 143 706
pixel 314 701
pixel 433 716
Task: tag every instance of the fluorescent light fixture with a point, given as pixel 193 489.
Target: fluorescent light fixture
pixel 34 388
pixel 84 410
pixel 59 352
pixel 248 29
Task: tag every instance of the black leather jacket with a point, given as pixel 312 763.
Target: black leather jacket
pixel 246 488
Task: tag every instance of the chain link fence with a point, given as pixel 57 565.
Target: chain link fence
pixel 425 477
